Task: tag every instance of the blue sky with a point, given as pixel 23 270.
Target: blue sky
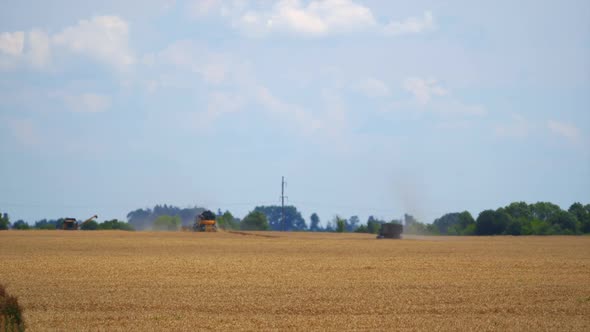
pixel 366 107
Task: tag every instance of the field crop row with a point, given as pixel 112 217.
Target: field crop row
pixel 237 281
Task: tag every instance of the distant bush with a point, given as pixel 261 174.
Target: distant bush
pixel 469 230
pixel 11 317
pixel 255 221
pixel 228 221
pixel 46 227
pixel 115 224
pixel 362 229
pixel 167 223
pixel 21 225
pixel 89 226
pixel 373 225
pixel 340 224
pixel 4 221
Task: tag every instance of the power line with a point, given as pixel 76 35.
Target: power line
pixel 283 203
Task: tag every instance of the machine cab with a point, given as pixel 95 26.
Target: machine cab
pixel 70 224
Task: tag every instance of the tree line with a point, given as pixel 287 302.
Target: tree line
pixel 52 224
pixel 520 218
pixel 517 218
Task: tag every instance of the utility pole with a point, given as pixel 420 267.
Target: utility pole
pixel 283 203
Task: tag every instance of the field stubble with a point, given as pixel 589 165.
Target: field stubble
pixel 185 281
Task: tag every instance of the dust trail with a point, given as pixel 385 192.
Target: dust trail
pixel 412 194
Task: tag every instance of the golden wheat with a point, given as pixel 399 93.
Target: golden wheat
pixel 233 281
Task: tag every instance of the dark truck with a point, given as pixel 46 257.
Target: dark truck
pixel 390 231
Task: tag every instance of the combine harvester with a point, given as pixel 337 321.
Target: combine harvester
pixel 390 231
pixel 71 224
pixel 205 222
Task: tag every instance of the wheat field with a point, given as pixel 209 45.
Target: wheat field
pixel 112 280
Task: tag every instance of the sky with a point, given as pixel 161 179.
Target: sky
pixel 365 107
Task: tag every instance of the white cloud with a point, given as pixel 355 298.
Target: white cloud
pixel 12 43
pixel 182 59
pixel 11 49
pixel 411 25
pixel 193 58
pixel 104 38
pixel 87 102
pixel 19 47
pixel 429 95
pixel 218 69
pixel 315 18
pixel 373 87
pixel 319 17
pixel 39 48
pixel 424 89
pixel 518 127
pixel 199 8
pixel 565 130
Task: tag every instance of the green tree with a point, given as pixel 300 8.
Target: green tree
pixel 447 224
pixel 21 225
pixel 120 225
pixel 582 214
pixel 124 226
pixel 255 221
pixel 490 222
pixel 330 227
pixel 340 224
pixel 92 225
pixel 362 229
pixel 167 223
pixel 293 221
pixel 46 225
pixel 538 227
pixel 466 219
pixel 567 222
pixel 544 210
pixel 469 230
pixel 431 229
pixel 107 225
pixel 352 223
pixel 4 221
pixel 314 222
pixel 519 210
pixel 227 221
pixel 373 225
pixel 59 223
pixel 461 224
pixel 514 227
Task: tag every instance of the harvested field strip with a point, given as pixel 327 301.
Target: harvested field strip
pixel 252 234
